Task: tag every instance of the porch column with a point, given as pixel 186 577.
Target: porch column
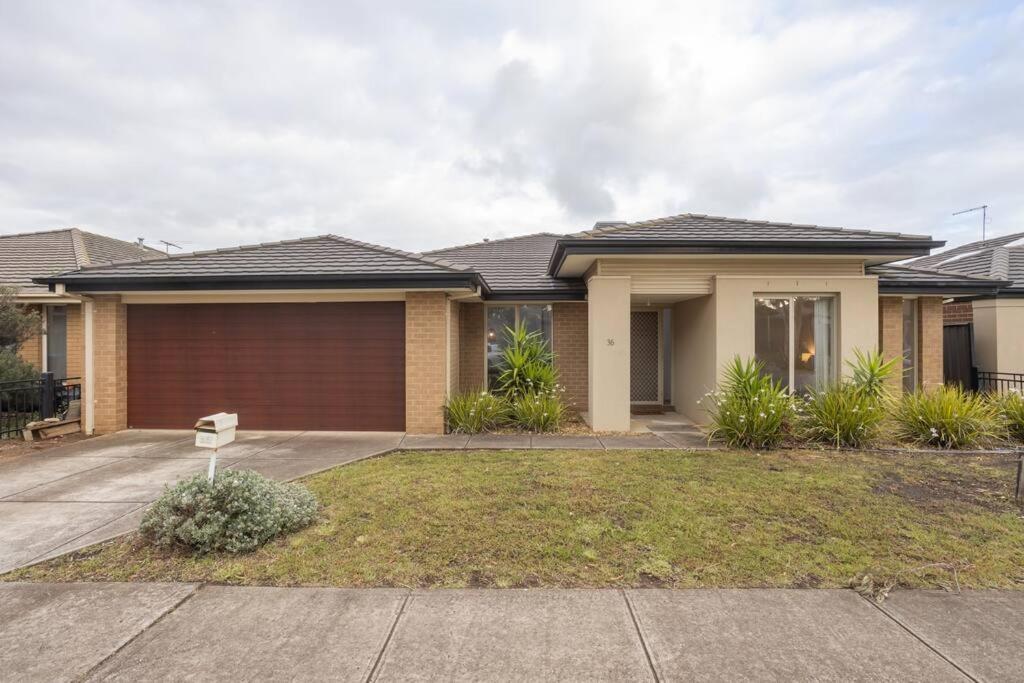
pixel 608 352
pixel 107 365
pixel 426 361
pixel 890 332
pixel 929 345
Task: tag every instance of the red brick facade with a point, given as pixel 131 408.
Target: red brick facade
pixel 958 312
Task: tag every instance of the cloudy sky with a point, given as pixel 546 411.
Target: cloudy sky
pixel 424 124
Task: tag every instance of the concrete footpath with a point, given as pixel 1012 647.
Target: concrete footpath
pixel 149 632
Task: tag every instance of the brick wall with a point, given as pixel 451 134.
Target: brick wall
pixel 31 351
pixel 929 315
pixel 76 341
pixel 425 362
pixel 569 342
pixel 890 332
pixel 958 312
pixel 454 311
pixel 110 364
pixel 471 346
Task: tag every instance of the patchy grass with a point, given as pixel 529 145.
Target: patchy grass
pixel 623 518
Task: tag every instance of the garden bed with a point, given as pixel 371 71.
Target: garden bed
pixel 624 518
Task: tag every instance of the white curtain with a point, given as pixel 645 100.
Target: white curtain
pixel 823 372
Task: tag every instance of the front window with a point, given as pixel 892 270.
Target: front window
pixel 534 317
pixel 57 341
pixel 794 338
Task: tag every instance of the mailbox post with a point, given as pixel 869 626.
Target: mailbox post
pixel 214 431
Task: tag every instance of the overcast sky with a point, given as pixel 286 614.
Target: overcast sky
pixel 424 124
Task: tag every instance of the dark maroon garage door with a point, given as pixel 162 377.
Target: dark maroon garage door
pixel 328 366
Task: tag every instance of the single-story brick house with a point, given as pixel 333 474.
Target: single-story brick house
pixel 60 346
pixel 329 333
pixel 997 319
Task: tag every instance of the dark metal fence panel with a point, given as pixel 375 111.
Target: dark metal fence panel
pixel 1001 382
pixel 26 401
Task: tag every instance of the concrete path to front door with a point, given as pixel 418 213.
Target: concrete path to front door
pixel 66 498
pixel 172 632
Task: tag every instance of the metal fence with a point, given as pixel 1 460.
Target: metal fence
pixel 29 400
pixel 1000 382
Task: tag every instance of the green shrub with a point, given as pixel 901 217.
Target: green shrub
pixel 1011 408
pixel 947 417
pixel 538 412
pixel 871 373
pixel 475 412
pixel 526 365
pixel 750 409
pixel 240 511
pixel 841 415
pixel 13 368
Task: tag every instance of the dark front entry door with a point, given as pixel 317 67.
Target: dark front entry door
pixel 320 366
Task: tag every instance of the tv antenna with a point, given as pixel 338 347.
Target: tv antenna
pixel 168 245
pixel 984 217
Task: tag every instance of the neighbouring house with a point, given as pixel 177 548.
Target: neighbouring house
pixel 993 322
pixel 333 334
pixel 60 347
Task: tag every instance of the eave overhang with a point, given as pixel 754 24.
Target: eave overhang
pixel 890 249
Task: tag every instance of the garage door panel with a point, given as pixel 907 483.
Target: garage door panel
pixel 338 366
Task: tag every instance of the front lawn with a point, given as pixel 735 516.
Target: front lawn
pixel 623 518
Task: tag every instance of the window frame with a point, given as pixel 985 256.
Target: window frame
pixel 515 305
pixel 833 335
pixel 913 347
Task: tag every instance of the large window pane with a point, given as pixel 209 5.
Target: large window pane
pixel 771 336
pixel 498 319
pixel 909 345
pixel 57 341
pixel 537 318
pixel 812 339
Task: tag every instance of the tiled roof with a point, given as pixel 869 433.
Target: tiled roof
pixel 325 255
pixel 906 277
pixel 513 264
pixel 695 226
pixel 40 254
pixel 999 257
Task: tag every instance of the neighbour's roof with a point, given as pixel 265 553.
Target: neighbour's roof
pixel 39 254
pixel 696 226
pixel 321 259
pixel 909 279
pixel 999 257
pixel 515 266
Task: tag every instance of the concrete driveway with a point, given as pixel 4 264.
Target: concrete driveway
pixel 69 497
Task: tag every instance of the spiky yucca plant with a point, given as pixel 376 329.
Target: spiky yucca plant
pixel 750 409
pixel 947 417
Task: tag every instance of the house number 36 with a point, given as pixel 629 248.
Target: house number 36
pixel 610 341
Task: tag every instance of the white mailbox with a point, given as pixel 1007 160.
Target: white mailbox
pixel 214 431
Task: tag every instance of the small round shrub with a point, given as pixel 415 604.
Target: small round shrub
pixel 841 415
pixel 538 412
pixel 475 412
pixel 240 511
pixel 1011 408
pixel 946 417
pixel 750 410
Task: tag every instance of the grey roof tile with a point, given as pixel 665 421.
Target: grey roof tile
pixel 29 255
pixel 998 257
pixel 695 226
pixel 327 255
pixel 893 273
pixel 513 264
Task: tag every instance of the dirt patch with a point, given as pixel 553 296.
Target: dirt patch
pixel 12 448
pixel 941 489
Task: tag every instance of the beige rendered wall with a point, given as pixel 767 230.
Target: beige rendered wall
pixel 608 341
pixel 693 354
pixel 999 335
pixel 857 312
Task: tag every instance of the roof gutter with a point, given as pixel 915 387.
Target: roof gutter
pixel 598 247
pixel 452 280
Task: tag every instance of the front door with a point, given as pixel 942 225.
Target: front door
pixel 644 352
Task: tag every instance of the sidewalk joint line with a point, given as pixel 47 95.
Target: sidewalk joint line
pixel 919 638
pixel 374 670
pixel 640 635
pixel 117 650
